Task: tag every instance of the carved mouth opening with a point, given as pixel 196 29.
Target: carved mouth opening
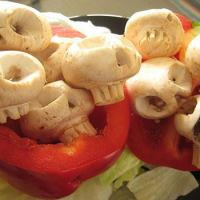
pixel 157 103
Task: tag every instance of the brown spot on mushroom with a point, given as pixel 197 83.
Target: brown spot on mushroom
pixel 169 17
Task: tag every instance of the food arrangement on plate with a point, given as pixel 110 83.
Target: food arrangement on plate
pixel 76 94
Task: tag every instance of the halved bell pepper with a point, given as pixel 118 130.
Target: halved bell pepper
pixel 158 143
pixel 56 170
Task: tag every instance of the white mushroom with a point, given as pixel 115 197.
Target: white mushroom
pixel 187 123
pixel 22 28
pixel 187 120
pixel 62 114
pixel 160 87
pixel 101 64
pixel 155 32
pixel 21 79
pixel 52 57
pixel 192 57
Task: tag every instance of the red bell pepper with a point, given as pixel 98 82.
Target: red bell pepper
pixel 158 143
pixel 66 32
pixel 186 22
pixel 56 170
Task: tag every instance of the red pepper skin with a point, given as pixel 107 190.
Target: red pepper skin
pixel 159 143
pixel 186 22
pixel 56 170
pixel 66 32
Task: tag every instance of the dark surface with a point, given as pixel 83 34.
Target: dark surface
pixel 116 24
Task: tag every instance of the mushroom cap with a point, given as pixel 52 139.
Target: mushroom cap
pixel 52 57
pixel 100 60
pixel 159 87
pixel 192 57
pixel 21 78
pixel 155 32
pixel 58 108
pixel 22 28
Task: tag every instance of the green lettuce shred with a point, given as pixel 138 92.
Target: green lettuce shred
pixel 123 170
pixel 162 183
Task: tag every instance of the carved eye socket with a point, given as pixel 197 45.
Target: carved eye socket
pixel 14 74
pixel 123 58
pixel 188 107
pixel 179 75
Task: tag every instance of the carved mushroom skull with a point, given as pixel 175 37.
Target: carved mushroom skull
pixel 155 32
pixel 61 114
pixel 52 57
pixel 160 87
pixel 22 28
pixel 21 79
pixel 101 64
pixel 192 57
pixel 187 120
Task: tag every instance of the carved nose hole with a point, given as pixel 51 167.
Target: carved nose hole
pixel 148 34
pixel 122 58
pixel 71 105
pixel 14 74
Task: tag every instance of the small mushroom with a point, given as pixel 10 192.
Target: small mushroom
pixel 187 120
pixel 22 28
pixel 101 64
pixel 160 87
pixel 187 123
pixel 21 79
pixel 52 57
pixel 61 114
pixel 192 57
pixel 155 33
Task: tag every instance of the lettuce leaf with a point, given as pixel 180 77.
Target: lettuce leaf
pixel 162 183
pixel 123 170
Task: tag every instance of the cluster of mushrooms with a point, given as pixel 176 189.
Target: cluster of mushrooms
pixel 52 84
pixel 163 86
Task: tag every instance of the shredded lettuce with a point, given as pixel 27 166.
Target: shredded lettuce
pixel 124 170
pixel 162 183
pixel 91 189
pixel 125 180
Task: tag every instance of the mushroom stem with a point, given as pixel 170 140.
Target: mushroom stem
pixel 187 120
